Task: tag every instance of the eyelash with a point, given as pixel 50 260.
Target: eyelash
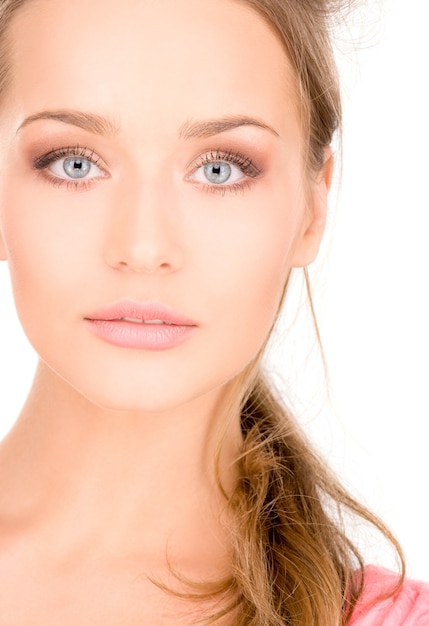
pixel 42 163
pixel 245 164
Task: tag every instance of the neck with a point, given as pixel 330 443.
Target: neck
pixel 118 481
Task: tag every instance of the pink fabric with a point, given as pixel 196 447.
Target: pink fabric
pixel 409 607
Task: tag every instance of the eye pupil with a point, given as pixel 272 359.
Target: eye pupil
pixel 76 167
pixel 217 173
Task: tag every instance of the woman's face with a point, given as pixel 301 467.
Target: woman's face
pixel 151 153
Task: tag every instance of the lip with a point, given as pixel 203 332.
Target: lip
pixel 123 324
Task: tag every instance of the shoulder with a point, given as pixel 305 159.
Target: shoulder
pixel 408 607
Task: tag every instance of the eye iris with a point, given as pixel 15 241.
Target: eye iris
pixel 217 173
pixel 76 167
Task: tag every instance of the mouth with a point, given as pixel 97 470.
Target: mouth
pixel 144 326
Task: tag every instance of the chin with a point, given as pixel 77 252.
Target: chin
pixel 137 398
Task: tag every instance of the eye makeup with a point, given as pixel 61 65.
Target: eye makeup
pixel 233 160
pixel 73 166
pixel 82 157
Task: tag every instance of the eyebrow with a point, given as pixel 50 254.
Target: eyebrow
pixel 209 128
pixel 90 122
pixel 100 125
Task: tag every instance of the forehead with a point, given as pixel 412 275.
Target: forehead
pixel 163 60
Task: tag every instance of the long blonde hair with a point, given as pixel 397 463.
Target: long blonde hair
pixel 292 561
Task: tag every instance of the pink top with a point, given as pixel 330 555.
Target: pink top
pixel 409 607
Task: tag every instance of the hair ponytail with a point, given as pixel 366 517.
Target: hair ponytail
pixel 293 562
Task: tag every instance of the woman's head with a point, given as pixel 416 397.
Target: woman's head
pixel 145 102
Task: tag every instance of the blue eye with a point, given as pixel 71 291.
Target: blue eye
pixel 218 173
pixel 75 168
pixel 72 165
pixel 223 171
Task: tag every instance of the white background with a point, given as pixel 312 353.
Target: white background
pixel 377 306
pixel 370 291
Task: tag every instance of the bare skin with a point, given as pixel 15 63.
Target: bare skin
pixel 109 468
pixel 94 530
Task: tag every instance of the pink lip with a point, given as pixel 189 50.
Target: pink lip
pixel 109 324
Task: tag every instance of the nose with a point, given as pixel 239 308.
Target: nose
pixel 143 232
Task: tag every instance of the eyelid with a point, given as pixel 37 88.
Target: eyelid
pixel 42 163
pixel 243 163
pixel 236 158
pixel 249 171
pixel 68 151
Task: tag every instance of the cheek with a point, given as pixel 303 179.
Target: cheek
pixel 43 257
pixel 255 271
pixel 249 262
